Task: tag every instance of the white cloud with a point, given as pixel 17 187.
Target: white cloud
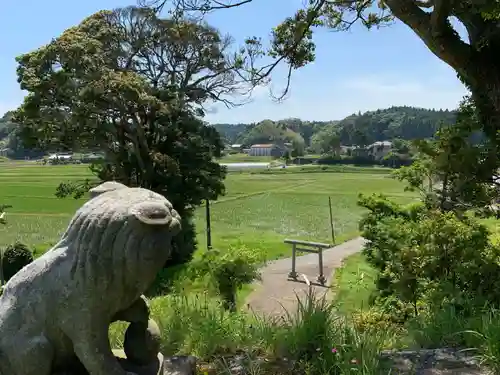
pixel 384 91
pixel 336 100
pixel 333 100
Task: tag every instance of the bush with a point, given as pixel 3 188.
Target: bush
pixel 15 257
pixel 170 280
pixel 3 207
pixel 229 271
pixel 429 259
pixel 184 244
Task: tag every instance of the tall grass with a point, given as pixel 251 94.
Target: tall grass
pixel 314 339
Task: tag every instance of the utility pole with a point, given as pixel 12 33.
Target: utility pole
pixel 209 230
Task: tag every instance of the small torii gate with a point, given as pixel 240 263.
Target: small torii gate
pixel 308 247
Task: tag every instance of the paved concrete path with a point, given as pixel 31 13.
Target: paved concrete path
pixel 276 291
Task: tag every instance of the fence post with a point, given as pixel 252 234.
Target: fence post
pixel 321 277
pixel 293 274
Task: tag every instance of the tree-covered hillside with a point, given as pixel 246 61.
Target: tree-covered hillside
pixel 405 123
pixel 395 122
pixel 358 129
pixel 6 127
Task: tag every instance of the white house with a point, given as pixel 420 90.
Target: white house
pixel 379 149
pixel 270 149
pixel 236 147
pixel 61 157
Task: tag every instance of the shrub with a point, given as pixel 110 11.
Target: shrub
pixel 229 271
pixel 169 279
pixel 15 257
pixel 3 207
pixel 184 244
pixel 430 258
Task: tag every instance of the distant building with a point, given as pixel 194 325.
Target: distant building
pixel 379 149
pixel 270 149
pixel 60 158
pixel 354 151
pixel 91 158
pixel 236 147
pixel 4 151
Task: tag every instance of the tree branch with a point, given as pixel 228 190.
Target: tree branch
pixel 204 6
pixel 445 44
pixel 440 14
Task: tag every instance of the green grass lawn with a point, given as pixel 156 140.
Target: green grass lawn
pixel 258 211
pixel 355 283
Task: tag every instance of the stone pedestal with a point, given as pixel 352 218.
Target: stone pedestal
pixel 179 365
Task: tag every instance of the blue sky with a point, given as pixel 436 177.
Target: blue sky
pixel 354 71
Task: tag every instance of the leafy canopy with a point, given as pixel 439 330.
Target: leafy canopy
pixel 109 84
pixel 132 86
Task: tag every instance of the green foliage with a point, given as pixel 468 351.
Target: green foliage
pixel 428 255
pixel 229 270
pixel 3 207
pixel 457 170
pixel 404 123
pixel 200 325
pixel 15 257
pixel 6 125
pixel 9 139
pixel 396 123
pixel 184 244
pixel 475 61
pixel 326 141
pixel 268 131
pixel 155 138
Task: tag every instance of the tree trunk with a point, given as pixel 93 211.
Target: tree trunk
pixel 477 61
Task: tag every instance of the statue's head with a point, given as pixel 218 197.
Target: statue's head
pixel 105 187
pixel 123 230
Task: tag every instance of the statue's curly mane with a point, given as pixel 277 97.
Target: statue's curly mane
pixel 115 229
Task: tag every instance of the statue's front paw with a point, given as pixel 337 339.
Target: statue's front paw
pixel 142 343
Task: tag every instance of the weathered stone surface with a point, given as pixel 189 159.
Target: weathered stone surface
pixel 446 361
pixel 154 367
pixel 105 187
pixel 58 308
pixel 178 365
pixel 138 312
pixel 142 342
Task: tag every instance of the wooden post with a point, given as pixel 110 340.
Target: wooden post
pixel 331 220
pixel 307 247
pixel 293 274
pixel 209 230
pixel 321 277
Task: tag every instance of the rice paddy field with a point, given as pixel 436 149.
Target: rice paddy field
pixel 259 209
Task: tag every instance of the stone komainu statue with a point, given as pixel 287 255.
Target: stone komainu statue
pixel 57 310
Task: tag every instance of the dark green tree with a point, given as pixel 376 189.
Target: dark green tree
pixel 326 141
pixel 132 85
pixel 447 167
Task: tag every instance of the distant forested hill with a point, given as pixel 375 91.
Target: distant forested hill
pixel 6 127
pixel 405 123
